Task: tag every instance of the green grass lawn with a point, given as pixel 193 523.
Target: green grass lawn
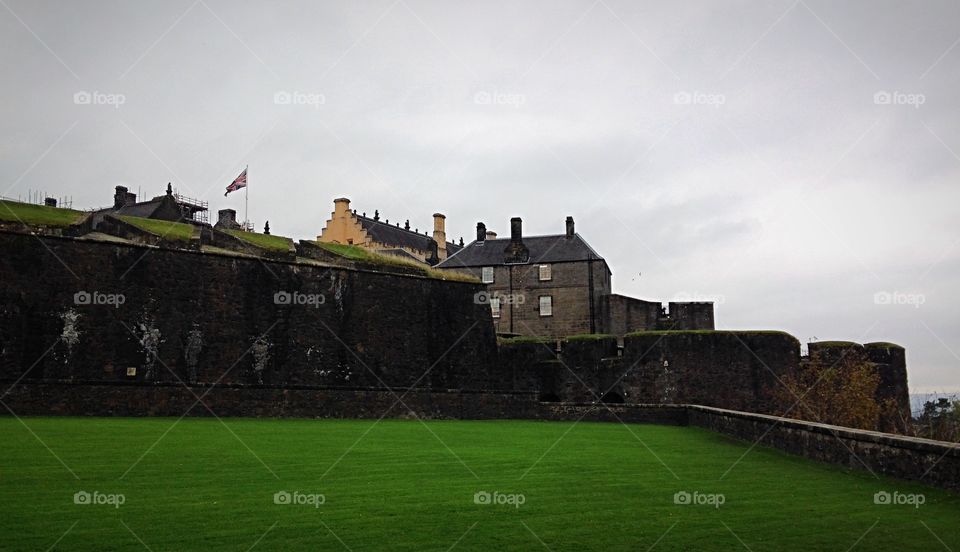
pixel 27 213
pixel 264 241
pixel 199 484
pixel 168 230
pixel 354 253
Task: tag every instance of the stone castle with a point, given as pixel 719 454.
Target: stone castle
pixel 538 286
pixel 264 325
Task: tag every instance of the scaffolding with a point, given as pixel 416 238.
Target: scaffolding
pixel 193 209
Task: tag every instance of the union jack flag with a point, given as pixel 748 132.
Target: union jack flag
pixel 239 182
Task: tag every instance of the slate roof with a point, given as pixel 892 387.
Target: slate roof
pixel 543 249
pixel 143 209
pixel 389 234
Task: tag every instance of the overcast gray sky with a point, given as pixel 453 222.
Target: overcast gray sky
pixel 736 151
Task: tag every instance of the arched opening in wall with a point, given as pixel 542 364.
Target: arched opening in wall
pixel 549 397
pixel 612 397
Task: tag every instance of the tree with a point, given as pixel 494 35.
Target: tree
pixel 940 420
pixel 838 389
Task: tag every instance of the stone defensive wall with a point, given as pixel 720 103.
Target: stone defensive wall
pixel 85 311
pixel 729 369
pixel 935 463
pixel 88 311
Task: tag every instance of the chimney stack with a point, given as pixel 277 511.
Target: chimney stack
pixel 227 216
pixel 341 205
pixel 481 231
pixel 516 252
pixel 516 229
pixel 122 197
pixel 440 235
pixel 570 230
pixel 335 230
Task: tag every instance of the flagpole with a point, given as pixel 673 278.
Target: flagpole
pixel 246 197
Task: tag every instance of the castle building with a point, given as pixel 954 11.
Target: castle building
pixel 348 228
pixel 171 206
pixel 558 285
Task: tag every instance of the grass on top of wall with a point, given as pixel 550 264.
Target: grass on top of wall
pixel 166 229
pixel 522 339
pixel 40 215
pixel 882 345
pixel 235 484
pixel 263 241
pixel 744 333
pixel 355 253
pixel 589 337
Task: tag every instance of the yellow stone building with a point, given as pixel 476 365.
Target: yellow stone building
pixel 346 227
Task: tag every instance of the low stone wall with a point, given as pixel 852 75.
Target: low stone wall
pixel 931 462
pixel 174 399
pixel 170 399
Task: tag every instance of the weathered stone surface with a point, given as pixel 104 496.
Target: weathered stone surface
pixel 362 329
pixel 932 462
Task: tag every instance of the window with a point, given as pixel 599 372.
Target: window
pixel 495 307
pixel 546 305
pixel 486 274
pixel 545 273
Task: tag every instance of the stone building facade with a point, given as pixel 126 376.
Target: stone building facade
pixel 558 286
pixel 346 227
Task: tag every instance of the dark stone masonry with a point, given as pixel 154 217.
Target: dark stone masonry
pixel 85 311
